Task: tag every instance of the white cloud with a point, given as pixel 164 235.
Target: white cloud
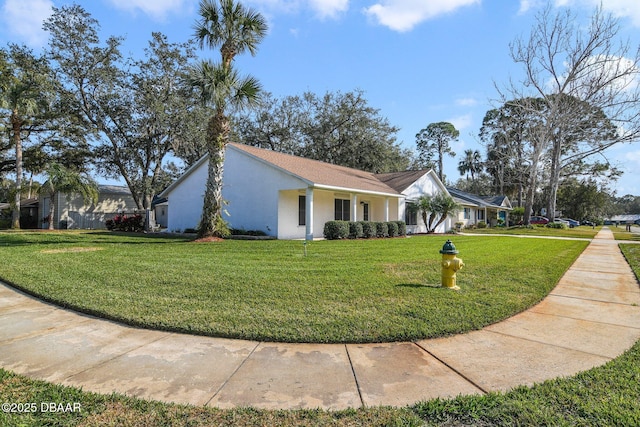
pixel 466 102
pixel 23 20
pixel 461 122
pixel 322 8
pixel 403 15
pixel 157 9
pixel 329 8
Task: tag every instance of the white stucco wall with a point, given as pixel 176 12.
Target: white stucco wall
pixel 425 185
pixel 250 187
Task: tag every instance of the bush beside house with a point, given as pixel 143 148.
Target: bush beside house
pixel 334 230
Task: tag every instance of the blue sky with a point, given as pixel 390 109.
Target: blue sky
pixel 418 61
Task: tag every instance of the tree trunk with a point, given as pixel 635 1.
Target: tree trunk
pixel 554 179
pixel 52 210
pixel 211 223
pixel 16 124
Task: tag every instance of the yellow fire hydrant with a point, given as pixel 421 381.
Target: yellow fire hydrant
pixel 450 264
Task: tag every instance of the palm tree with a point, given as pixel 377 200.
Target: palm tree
pixel 436 209
pixel 470 163
pixel 235 29
pixel 24 92
pixel 61 180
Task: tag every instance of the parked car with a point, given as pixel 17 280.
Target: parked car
pixel 572 222
pixel 538 220
pixel 589 223
pixel 562 221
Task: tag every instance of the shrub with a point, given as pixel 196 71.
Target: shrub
pixel 557 225
pixel 368 229
pixel 482 224
pixel 334 230
pixel 402 228
pixel 134 223
pixel 243 232
pixel 355 230
pixel 392 229
pixel 381 229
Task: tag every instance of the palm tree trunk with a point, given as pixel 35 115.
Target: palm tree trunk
pixel 211 223
pixel 52 210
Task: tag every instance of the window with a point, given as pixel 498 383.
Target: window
pixel 480 215
pixel 302 210
pixel 467 213
pixel 411 214
pixel 365 211
pixel 342 210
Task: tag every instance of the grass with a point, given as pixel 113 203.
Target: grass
pixel 342 291
pixel 603 396
pixel 582 232
pixel 620 234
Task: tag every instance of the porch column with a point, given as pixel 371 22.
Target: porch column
pixel 386 209
pixel 309 214
pixel 354 207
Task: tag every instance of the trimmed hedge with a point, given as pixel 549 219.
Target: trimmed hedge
pixel 368 229
pixel 355 230
pixel 382 230
pixel 392 229
pixel 335 230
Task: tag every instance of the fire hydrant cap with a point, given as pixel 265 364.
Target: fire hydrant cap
pixel 448 248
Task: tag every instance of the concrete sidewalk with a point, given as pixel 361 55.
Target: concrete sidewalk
pixel 591 317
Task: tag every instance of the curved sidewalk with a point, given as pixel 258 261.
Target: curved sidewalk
pixel 591 317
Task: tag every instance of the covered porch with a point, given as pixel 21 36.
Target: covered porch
pixel 302 213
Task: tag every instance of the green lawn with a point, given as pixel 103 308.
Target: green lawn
pixel 620 234
pixel 342 291
pixel 604 396
pixel 582 232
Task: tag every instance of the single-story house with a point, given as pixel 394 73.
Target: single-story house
pixel 475 209
pixel 291 197
pixel 72 211
pixel 28 213
pixel 623 219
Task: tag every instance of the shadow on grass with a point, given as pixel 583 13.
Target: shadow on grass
pixel 57 237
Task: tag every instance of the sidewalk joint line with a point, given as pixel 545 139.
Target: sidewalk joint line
pixel 104 362
pixel 549 344
pixel 630 304
pixel 457 372
pixel 355 377
pixel 235 371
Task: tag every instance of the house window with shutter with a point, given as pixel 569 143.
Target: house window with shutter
pixel 342 211
pixel 302 210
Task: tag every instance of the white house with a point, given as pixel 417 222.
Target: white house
pixel 72 212
pixel 292 197
pixel 475 209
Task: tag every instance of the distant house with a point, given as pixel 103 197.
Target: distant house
pixel 72 212
pixel 291 197
pixel 475 209
pixel 29 215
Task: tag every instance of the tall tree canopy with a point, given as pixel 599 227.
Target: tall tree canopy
pixel 235 29
pixel 434 142
pixel 338 128
pixel 135 111
pixel 576 70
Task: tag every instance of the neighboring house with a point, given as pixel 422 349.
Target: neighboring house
pixel 29 217
pixel 623 219
pixel 72 212
pixel 412 185
pixel 475 209
pixel 292 197
pixel 160 210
